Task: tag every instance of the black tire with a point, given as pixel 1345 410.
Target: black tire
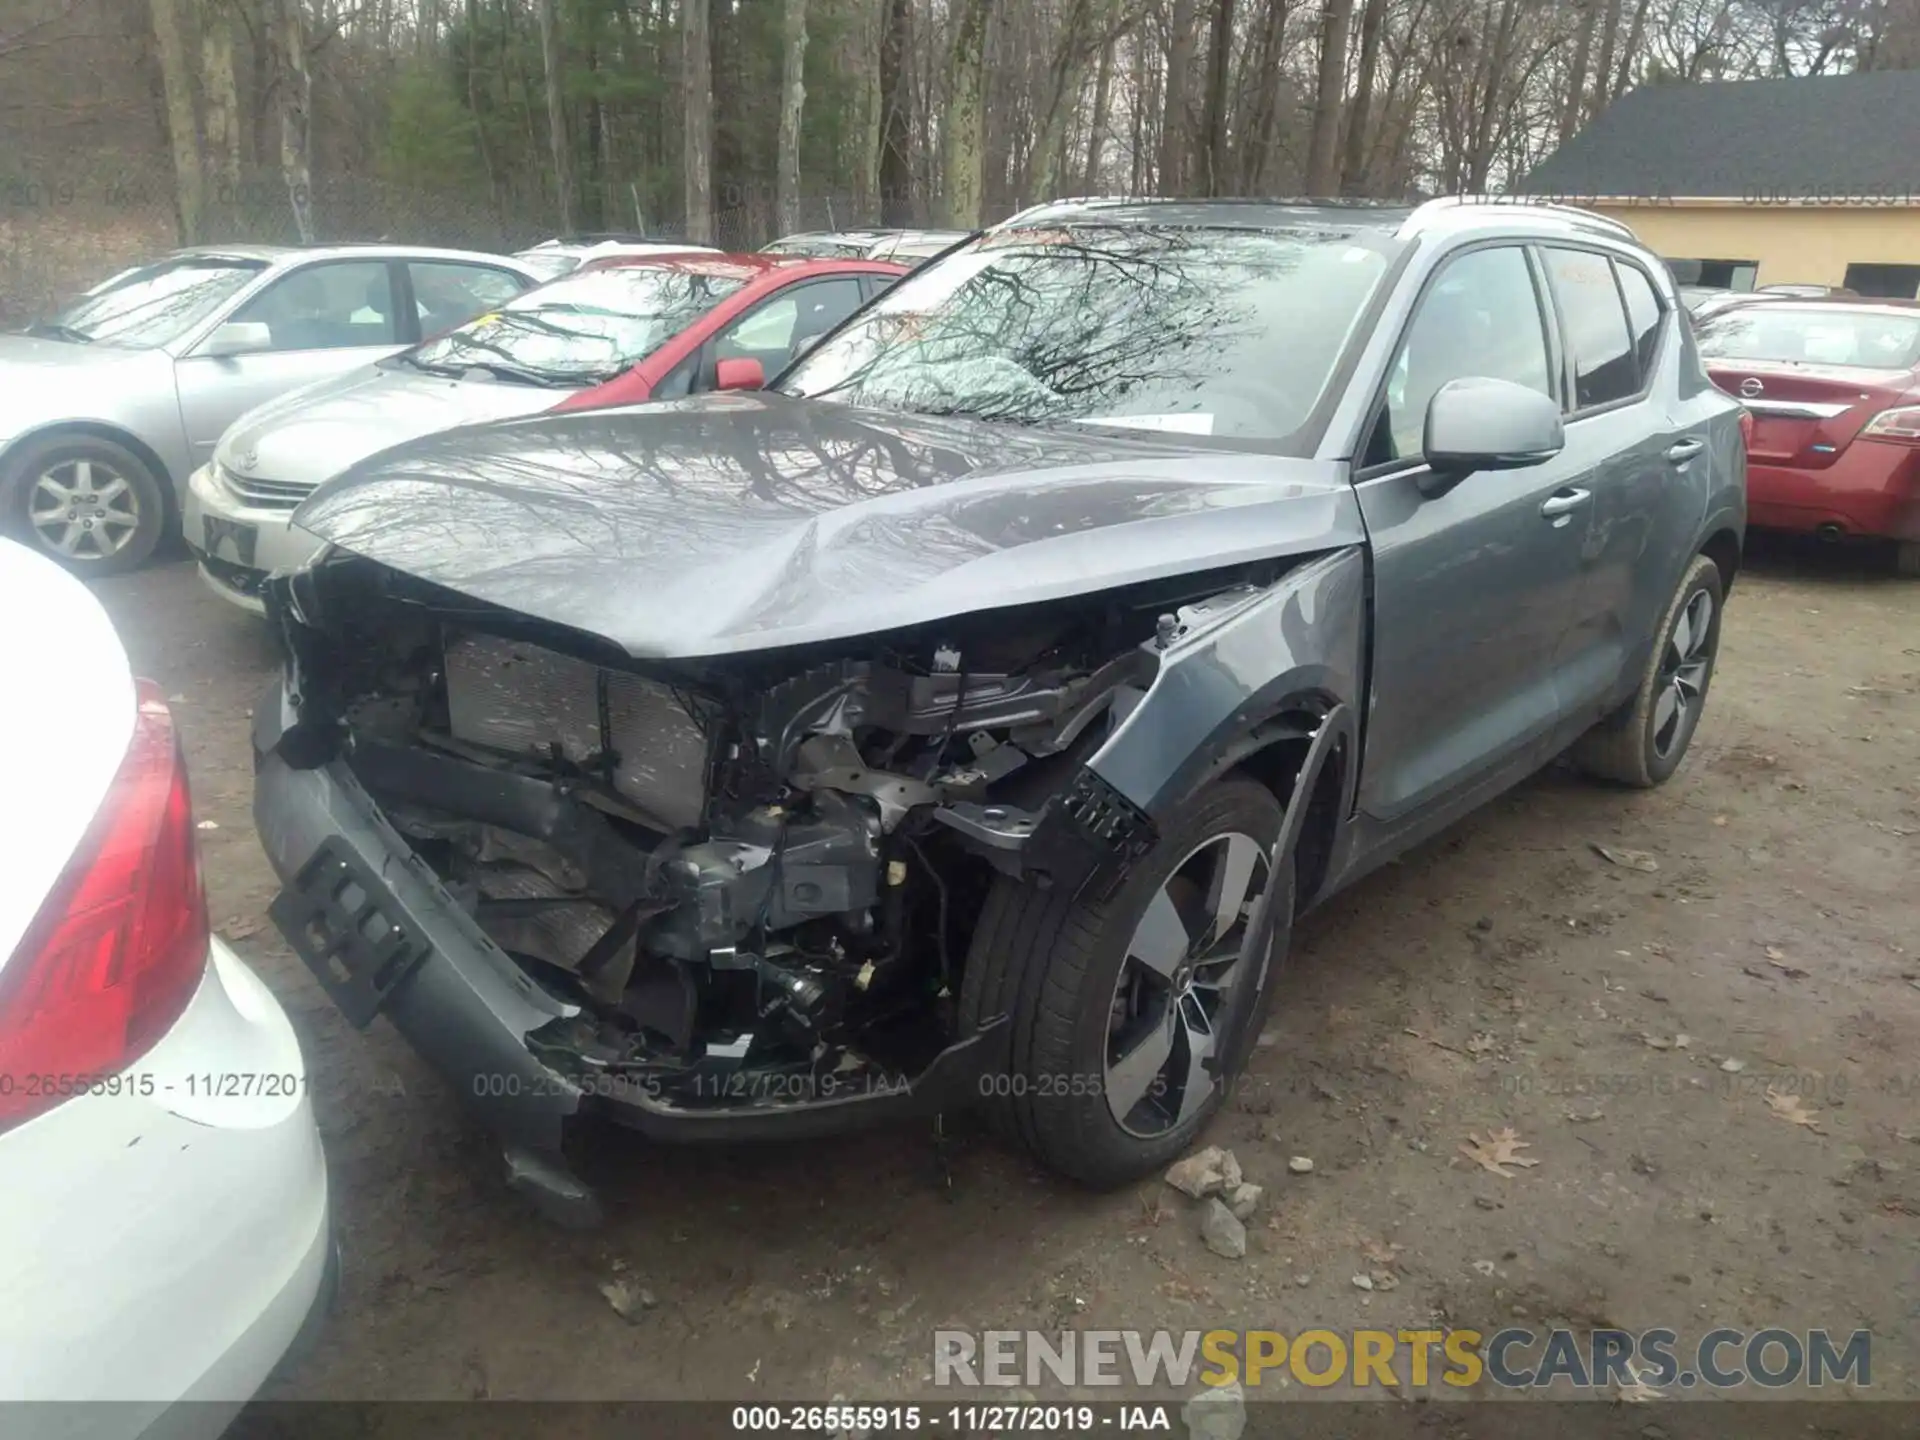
pixel 1633 747
pixel 1053 964
pixel 133 520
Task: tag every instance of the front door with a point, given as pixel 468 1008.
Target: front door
pixel 1475 588
pixel 322 320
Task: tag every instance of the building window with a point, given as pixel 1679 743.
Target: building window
pixel 1890 282
pixel 1715 274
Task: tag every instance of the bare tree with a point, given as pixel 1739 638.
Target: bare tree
pixel 793 99
pixel 1323 141
pixel 696 68
pixel 896 113
pixel 1609 39
pixel 293 83
pixel 1353 163
pixel 557 144
pixel 965 120
pixel 1574 111
pixel 183 129
pixel 1176 125
pixel 1213 148
pixel 222 150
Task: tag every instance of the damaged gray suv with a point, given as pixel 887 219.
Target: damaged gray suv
pixel 966 718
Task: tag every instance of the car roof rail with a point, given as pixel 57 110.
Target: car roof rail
pixel 1585 219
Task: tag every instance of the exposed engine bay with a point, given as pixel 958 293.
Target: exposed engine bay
pixel 750 880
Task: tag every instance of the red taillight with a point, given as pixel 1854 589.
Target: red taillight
pixel 1746 429
pixel 120 943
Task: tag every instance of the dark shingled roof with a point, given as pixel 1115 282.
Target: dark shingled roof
pixel 1830 137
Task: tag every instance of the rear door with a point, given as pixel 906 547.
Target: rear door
pixel 1474 589
pixel 1638 451
pixel 323 320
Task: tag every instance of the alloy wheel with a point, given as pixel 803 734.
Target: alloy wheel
pixel 1172 998
pixel 83 509
pixel 1684 667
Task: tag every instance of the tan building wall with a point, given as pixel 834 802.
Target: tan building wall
pixel 1795 244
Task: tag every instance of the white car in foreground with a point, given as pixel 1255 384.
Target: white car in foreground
pixel 164 1233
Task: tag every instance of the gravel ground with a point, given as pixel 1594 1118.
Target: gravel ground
pixel 1627 1023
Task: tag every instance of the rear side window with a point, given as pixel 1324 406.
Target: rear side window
pixel 1643 315
pixel 1603 364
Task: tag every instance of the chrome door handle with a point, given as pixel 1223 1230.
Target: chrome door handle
pixel 1567 500
pixel 1684 450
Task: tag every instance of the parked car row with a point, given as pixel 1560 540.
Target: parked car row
pixel 750 696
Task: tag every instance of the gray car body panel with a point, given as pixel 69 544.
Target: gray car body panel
pixel 141 395
pixel 745 523
pixel 760 521
pixel 313 433
pixel 1293 646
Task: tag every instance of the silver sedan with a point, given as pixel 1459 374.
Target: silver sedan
pixel 108 407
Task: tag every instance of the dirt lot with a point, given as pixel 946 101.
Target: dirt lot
pixel 1504 975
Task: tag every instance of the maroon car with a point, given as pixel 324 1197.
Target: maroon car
pixel 1834 389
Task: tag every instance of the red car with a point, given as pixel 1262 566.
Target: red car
pixel 617 331
pixel 691 360
pixel 1833 386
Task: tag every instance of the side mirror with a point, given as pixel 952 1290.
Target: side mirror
pixel 739 374
pixel 1478 423
pixel 238 337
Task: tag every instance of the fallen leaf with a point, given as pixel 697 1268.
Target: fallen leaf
pixel 1777 958
pixel 1480 1044
pixel 1628 859
pixel 240 927
pixel 1483 1267
pixel 1500 1149
pixel 1793 1110
pixel 1720 820
pixel 1381 1252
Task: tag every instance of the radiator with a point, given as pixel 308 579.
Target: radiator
pixel 515 697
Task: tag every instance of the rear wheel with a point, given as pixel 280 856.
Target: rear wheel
pixel 90 503
pixel 1128 1015
pixel 1644 744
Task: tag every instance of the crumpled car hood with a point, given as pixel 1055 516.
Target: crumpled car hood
pixel 746 522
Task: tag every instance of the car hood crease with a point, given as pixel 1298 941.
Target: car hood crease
pixel 735 523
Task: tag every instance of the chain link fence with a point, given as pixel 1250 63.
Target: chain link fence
pixel 62 233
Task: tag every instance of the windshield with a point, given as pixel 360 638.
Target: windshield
pixel 154 304
pixel 1229 333
pixel 1873 339
pixel 587 326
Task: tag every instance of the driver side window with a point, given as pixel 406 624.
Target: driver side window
pixel 1480 317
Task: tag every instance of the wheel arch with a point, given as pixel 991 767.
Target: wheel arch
pixel 1314 785
pixel 1723 548
pixel 99 430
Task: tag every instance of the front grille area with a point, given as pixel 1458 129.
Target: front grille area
pixel 264 494
pixel 511 696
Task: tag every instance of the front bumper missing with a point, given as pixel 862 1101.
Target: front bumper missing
pixel 383 936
